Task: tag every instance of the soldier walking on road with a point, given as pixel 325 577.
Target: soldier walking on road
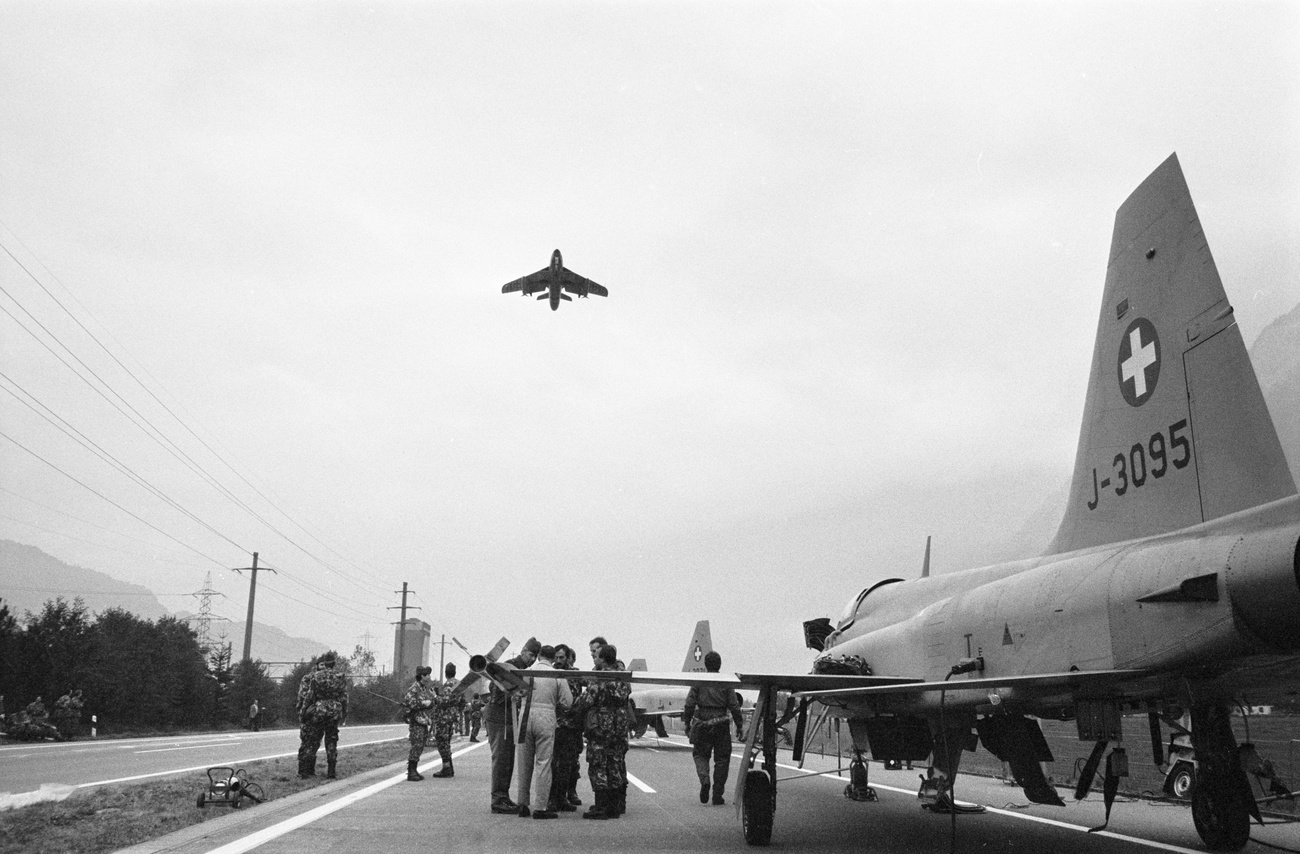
pixel 447 711
pixel 322 708
pixel 708 711
pixel 418 701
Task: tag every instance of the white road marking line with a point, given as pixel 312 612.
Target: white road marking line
pixel 642 786
pixel 1150 843
pixel 234 762
pixel 202 746
pixel 275 831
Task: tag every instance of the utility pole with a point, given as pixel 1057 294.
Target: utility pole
pixel 442 656
pixel 401 630
pixel 252 595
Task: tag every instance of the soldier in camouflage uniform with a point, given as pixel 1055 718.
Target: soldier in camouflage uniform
pixel 448 708
pixel 604 706
pixel 322 707
pixel 419 701
pixel 67 714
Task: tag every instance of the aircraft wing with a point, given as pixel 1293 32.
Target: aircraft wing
pixel 575 284
pixel 781 681
pixel 529 284
pixel 1096 680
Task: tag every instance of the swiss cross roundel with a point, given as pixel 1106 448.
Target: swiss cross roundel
pixel 1139 362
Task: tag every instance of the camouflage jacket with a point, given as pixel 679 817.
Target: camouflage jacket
pixel 323 696
pixel 449 704
pixel 419 702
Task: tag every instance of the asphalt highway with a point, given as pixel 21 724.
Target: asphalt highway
pixel 26 766
pixel 381 812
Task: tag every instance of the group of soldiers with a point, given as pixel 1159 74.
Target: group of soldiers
pixel 555 718
pixel 560 716
pixel 36 721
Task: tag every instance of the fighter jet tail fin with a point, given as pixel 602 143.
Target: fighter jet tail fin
pixel 701 645
pixel 1175 429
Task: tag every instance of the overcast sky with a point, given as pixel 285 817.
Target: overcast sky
pixel 855 255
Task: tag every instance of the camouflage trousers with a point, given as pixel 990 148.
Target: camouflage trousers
pixel 442 740
pixel 606 764
pixel 419 737
pixel 310 734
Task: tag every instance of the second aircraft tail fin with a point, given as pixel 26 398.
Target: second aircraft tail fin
pixel 701 645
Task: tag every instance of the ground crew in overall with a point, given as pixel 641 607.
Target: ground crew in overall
pixel 604 708
pixel 500 733
pixel 418 703
pixel 708 711
pixel 447 708
pixel 536 749
pixel 322 708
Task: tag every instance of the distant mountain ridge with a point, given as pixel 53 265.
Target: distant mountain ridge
pixel 29 578
pixel 1276 356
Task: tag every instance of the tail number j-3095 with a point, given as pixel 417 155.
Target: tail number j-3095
pixel 1144 461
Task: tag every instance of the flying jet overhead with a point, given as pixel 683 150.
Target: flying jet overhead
pixel 1172 585
pixel 555 279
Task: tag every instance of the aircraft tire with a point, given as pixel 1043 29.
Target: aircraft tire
pixel 1222 820
pixel 759 808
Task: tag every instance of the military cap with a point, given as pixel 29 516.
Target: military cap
pixel 531 645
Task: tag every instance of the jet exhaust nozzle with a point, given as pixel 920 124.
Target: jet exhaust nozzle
pixel 478 663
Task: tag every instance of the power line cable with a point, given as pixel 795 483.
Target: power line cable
pixel 95 449
pixel 109 500
pixel 175 417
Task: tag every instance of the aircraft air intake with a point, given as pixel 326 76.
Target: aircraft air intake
pixel 1264 586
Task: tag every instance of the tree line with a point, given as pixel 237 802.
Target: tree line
pixel 139 675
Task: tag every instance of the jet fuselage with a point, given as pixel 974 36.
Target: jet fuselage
pixel 1190 603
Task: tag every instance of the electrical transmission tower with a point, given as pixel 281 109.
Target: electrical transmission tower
pixel 203 622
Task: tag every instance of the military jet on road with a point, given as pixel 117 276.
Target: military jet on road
pixel 555 279
pixel 1172 585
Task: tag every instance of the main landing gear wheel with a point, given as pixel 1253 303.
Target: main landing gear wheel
pixel 760 807
pixel 1222 823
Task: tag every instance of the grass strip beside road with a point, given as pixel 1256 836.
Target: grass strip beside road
pixel 106 818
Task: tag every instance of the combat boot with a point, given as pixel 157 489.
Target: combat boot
pixel 598 810
pixel 412 775
pixel 329 769
pixel 448 770
pixel 306 768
